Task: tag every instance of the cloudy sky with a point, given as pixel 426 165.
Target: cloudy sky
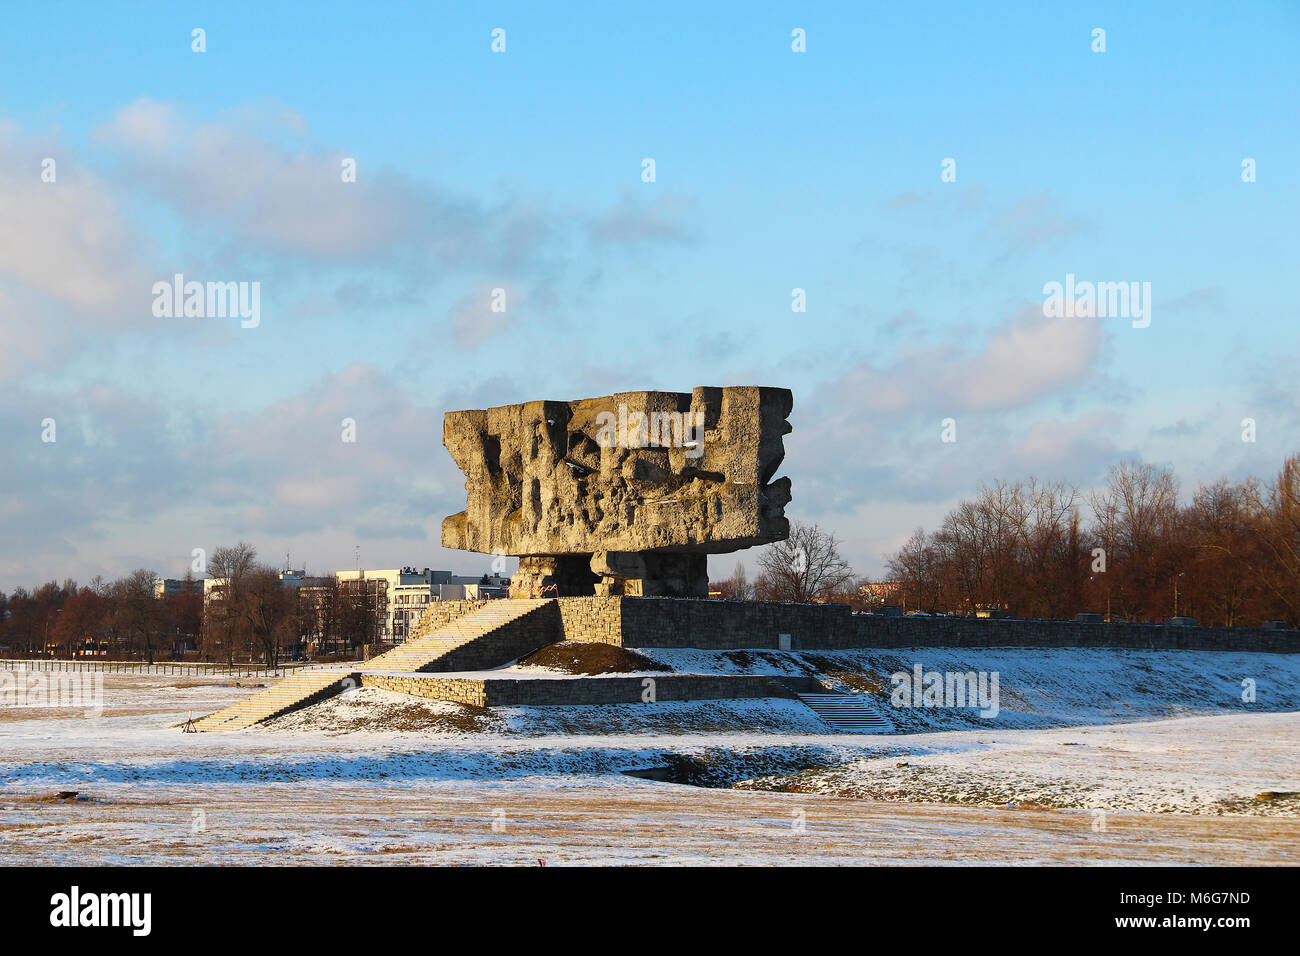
pixel 522 170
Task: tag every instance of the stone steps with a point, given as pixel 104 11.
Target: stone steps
pixel 286 695
pixel 422 652
pixel 299 690
pixel 506 607
pixel 850 713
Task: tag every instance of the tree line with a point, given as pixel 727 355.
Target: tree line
pixel 62 620
pixel 250 615
pixel 1129 550
pixel 1228 556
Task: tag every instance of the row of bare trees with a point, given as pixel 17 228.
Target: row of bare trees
pixel 251 614
pixel 1230 555
pixel 121 618
pixel 251 611
pixel 248 612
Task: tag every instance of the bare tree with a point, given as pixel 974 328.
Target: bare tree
pixel 1276 528
pixel 918 571
pixel 737 587
pixel 1220 555
pixel 805 567
pixel 270 611
pixel 225 627
pixel 363 611
pixel 229 564
pixel 1136 520
pixel 137 611
pixel 1051 584
pixel 1138 505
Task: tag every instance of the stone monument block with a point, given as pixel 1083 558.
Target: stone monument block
pixel 625 494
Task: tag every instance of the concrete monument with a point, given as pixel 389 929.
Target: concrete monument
pixel 625 494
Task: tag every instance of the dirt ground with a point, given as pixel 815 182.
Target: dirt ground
pixel 148 794
pixel 637 822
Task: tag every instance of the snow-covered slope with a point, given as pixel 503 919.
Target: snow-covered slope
pixel 1038 687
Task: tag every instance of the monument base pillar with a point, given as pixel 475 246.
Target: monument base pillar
pixel 613 574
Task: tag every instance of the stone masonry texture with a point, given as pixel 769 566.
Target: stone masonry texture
pixel 548 692
pixel 727 625
pixel 621 494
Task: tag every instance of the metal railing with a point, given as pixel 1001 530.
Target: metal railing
pixel 178 668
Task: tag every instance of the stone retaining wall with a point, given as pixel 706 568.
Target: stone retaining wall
pixel 438 613
pixel 509 642
pixel 872 631
pixel 729 625
pixel 732 625
pixel 630 690
pixel 597 619
pixel 454 689
pixel 550 692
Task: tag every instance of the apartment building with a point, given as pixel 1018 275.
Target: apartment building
pixel 408 591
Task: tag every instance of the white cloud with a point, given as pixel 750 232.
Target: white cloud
pixel 1026 358
pixel 67 240
pixel 279 476
pixel 259 176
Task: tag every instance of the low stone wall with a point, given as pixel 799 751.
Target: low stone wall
pixel 509 642
pixel 729 625
pixel 887 632
pixel 735 625
pixel 597 619
pixel 630 690
pixel 452 689
pixel 732 625
pixel 554 692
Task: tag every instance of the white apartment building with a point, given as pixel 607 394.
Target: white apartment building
pixel 406 592
pixel 410 590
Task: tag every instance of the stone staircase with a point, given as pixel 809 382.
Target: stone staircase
pixel 850 713
pixel 295 691
pixel 493 635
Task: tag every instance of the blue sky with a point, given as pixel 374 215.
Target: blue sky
pixel 522 170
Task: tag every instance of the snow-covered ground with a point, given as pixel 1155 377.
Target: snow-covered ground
pixel 1038 687
pixel 1243 764
pixel 565 820
pixel 127 694
pixel 378 777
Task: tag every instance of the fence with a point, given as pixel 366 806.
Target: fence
pixel 179 668
pixel 529 591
